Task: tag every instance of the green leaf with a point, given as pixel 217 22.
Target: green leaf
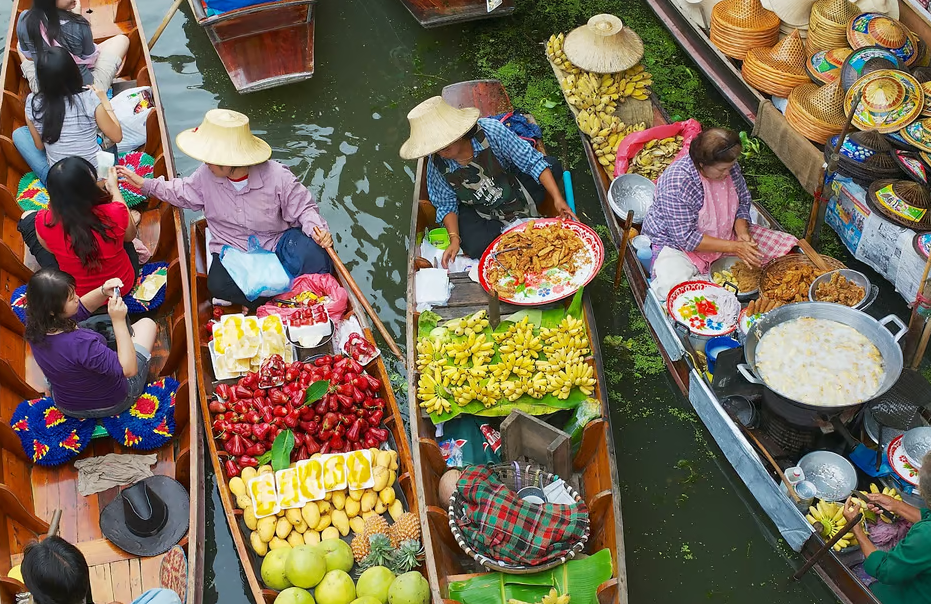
pixel 281 450
pixel 548 103
pixel 427 322
pixel 316 391
pixel 264 458
pixel 575 307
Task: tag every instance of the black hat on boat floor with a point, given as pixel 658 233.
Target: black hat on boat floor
pixel 148 518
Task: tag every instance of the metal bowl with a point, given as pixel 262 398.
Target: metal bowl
pixel 725 263
pixel 856 277
pixel 832 475
pixel 916 443
pixel 631 192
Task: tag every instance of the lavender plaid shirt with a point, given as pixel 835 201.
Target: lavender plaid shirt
pixel 672 220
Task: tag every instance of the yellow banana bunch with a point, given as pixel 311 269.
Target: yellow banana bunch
pixel 454 375
pixel 430 393
pixel 474 346
pixel 513 390
pixel 555 54
pixel 429 351
pixel 488 393
pixel 519 341
pixel 560 359
pixel 580 374
pixel 520 366
pixel 537 385
pixel 831 517
pixel 468 325
pixel 885 491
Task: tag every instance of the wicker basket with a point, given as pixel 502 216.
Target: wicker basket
pixel 777 70
pixel 827 27
pixel 771 276
pixel 817 112
pixel 515 476
pixel 740 25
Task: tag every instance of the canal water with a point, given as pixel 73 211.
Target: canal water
pixel 693 531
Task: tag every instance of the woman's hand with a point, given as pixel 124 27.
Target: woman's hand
pixel 109 285
pixel 113 181
pixel 748 252
pixel 563 210
pixel 323 238
pixel 116 308
pixel 449 255
pixel 129 176
pixel 879 499
pixel 851 509
pixel 101 94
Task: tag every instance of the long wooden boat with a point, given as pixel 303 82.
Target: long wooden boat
pixel 435 13
pixel 264 45
pixel 746 460
pixel 31 493
pixel 206 382
pixel 594 466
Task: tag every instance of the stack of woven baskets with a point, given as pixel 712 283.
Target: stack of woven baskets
pixel 777 70
pixel 738 26
pixel 827 27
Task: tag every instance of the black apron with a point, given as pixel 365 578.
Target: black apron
pixel 493 192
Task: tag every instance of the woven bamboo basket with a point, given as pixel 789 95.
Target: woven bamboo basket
pixel 827 27
pixel 740 25
pixel 772 275
pixel 777 70
pixel 817 113
pixel 515 476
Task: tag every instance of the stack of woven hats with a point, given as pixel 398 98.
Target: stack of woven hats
pixel 827 26
pixel 779 69
pixel 817 112
pixel 740 25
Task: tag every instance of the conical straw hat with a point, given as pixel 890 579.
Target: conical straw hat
pixel 887 7
pixel 434 125
pixel 603 45
pixel 740 25
pixel 817 112
pixel 888 100
pixel 795 13
pixel 779 69
pixel 827 27
pixel 224 139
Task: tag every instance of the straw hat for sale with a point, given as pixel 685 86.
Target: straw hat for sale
pixel 816 112
pixel 823 67
pixel 890 8
pixel 794 14
pixel 777 70
pixel 603 45
pixel 904 202
pixel 889 100
pixel 827 26
pixel 224 139
pixel 867 60
pixel 739 25
pixel 874 29
pixel 434 125
pixel 918 134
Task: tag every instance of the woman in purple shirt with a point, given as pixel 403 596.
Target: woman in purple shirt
pixel 84 377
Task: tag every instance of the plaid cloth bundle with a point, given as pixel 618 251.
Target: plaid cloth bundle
pixel 498 524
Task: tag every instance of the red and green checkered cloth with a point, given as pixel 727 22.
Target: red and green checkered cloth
pixel 498 524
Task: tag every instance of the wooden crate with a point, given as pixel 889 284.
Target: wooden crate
pixel 523 435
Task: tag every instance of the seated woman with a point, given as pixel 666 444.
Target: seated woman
pixel 85 378
pixel 59 24
pixel 903 574
pixel 701 212
pixel 480 175
pixel 85 231
pixel 241 193
pixel 62 119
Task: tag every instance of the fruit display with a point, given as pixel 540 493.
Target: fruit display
pixel 551 598
pixel 655 157
pixel 831 517
pixel 241 343
pixel 465 366
pixel 594 98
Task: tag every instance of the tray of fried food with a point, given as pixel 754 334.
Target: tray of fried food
pixel 839 290
pixel 737 272
pixel 535 250
pixel 762 305
pixel 788 279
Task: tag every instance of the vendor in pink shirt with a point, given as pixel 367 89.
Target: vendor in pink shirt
pixel 241 193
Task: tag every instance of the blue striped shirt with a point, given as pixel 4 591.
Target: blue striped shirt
pixel 511 151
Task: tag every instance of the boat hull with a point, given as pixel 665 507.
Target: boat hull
pixel 436 13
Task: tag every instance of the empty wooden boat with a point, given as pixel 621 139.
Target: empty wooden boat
pixel 30 493
pixel 594 466
pixel 434 13
pixel 264 45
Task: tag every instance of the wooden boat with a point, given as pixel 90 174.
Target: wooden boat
pixel 746 460
pixel 594 466
pixel 30 493
pixel 206 382
pixel 264 45
pixel 434 13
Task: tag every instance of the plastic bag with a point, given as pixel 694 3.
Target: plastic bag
pixel 257 272
pixel 588 410
pixel 634 142
pixel 131 107
pixel 324 285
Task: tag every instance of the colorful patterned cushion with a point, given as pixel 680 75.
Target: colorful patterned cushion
pixel 150 422
pixel 31 193
pixel 18 302
pixel 48 436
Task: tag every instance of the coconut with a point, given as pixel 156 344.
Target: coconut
pixel 448 485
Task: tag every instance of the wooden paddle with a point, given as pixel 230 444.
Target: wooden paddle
pixel 825 548
pixel 168 16
pixel 53 525
pixel 347 277
pixel 814 256
pixel 622 249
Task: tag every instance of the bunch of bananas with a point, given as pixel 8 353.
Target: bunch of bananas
pixel 551 598
pixel 429 351
pixel 655 157
pixel 537 386
pixel 430 391
pixel 487 392
pixel 467 326
pixel 869 514
pixel 512 363
pixel 569 332
pixel 831 517
pixel 556 54
pixel 518 340
pixel 580 374
pixel 474 347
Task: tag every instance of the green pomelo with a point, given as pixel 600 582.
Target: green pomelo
pixel 295 595
pixel 337 553
pixel 409 588
pixel 273 569
pixel 375 582
pixel 305 567
pixel 335 588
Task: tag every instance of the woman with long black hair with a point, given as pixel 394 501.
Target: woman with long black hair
pixel 85 231
pixel 58 23
pixel 63 118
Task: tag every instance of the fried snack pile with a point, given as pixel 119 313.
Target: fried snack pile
pixel 746 277
pixel 553 246
pixel 791 284
pixel 761 306
pixel 840 291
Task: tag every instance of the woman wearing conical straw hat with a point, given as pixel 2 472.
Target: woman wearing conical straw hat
pixel 480 175
pixel 241 193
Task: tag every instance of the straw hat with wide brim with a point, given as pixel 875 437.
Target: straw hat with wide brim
pixel 817 112
pixel 827 26
pixel 918 134
pixel 777 70
pixel 794 13
pixel 888 100
pixel 875 29
pixel 224 139
pixel 904 202
pixel 823 67
pixel 603 45
pixel 740 25
pixel 866 60
pixel 434 125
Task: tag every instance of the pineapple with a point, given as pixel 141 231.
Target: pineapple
pixel 360 547
pixel 376 525
pixel 407 556
pixel 380 552
pixel 407 527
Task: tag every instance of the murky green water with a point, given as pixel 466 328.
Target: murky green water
pixel 693 531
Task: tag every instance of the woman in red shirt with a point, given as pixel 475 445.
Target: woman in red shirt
pixel 84 232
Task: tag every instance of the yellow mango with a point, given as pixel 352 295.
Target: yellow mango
pixel 357 524
pixel 311 514
pixel 248 474
pixel 248 516
pixel 243 501
pixel 295 539
pixel 352 508
pixel 283 528
pixel 237 486
pixel 341 521
pixel 392 477
pixel 357 495
pixel 381 478
pixel 266 469
pixel 329 533
pixel 368 501
pixel 324 507
pixel 380 508
pixel 384 459
pixel 277 543
pixel 266 528
pixel 311 538
pixel 339 500
pixel 258 546
pixel 396 509
pixel 394 460
pixel 325 521
pixel 387 496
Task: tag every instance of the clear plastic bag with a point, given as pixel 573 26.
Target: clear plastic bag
pixel 258 272
pixel 588 410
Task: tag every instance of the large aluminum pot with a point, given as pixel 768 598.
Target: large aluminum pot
pixel 875 331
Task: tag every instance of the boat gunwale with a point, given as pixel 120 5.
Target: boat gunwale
pixel 200 15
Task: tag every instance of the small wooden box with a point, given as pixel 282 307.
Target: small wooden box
pixel 523 435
